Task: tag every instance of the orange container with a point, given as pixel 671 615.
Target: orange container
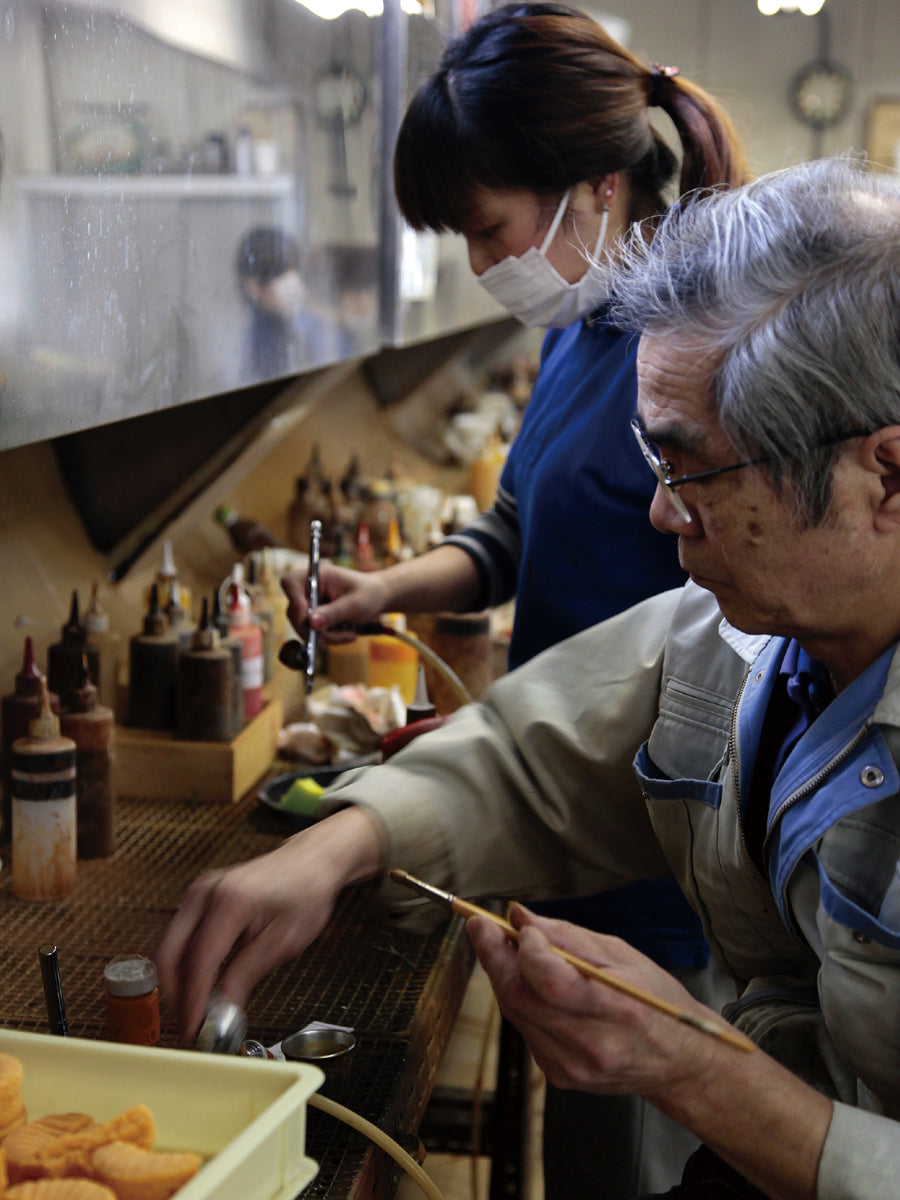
pixel 393 662
pixel 132 1000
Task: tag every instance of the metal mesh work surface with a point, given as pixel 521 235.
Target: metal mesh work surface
pixel 399 991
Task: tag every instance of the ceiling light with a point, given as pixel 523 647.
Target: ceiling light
pixel 809 8
pixel 328 10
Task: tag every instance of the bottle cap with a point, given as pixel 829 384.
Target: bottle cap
pixel 219 619
pixel 206 636
pixel 154 621
pixel 176 613
pixel 421 706
pixel 237 599
pixel 96 619
pixel 73 630
pixel 46 724
pixel 28 680
pixel 167 566
pixel 84 696
pixel 130 975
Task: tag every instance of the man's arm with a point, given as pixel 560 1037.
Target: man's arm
pixel 531 792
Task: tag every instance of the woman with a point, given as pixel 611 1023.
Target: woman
pixel 533 140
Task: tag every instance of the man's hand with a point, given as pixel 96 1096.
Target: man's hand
pixel 583 1034
pixel 758 1116
pixel 266 910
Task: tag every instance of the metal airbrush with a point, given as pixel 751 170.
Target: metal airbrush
pixel 299 655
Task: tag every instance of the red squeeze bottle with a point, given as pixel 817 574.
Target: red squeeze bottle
pixel 239 611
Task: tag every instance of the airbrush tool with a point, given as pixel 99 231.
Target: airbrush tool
pixel 299 655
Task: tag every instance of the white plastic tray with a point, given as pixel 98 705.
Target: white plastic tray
pixel 246 1116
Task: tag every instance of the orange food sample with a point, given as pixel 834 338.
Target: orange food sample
pixel 70 1153
pixel 59 1189
pixel 69 1156
pixel 19 1119
pixel 136 1174
pixel 11 1073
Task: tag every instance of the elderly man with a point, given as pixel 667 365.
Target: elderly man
pixel 742 733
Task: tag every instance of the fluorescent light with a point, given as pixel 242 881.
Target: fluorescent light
pixel 328 10
pixel 809 8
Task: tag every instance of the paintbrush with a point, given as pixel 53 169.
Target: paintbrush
pixel 466 909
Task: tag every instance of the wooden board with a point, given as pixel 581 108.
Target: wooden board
pixel 152 763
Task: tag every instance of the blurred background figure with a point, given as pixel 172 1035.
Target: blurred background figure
pixel 287 332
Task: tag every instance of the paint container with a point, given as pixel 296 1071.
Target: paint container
pixel 463 641
pixel 64 657
pixel 205 711
pixel 178 617
pixel 329 1047
pixel 235 648
pixel 153 658
pixel 109 648
pixel 166 575
pixel 19 709
pixel 264 616
pixel 44 822
pixel 91 726
pixel 132 1000
pixel 392 662
pixel 241 625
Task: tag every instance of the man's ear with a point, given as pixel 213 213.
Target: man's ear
pixel 880 453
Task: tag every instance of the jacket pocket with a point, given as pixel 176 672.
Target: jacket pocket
pixel 656 785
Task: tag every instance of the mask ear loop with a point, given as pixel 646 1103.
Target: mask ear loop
pixel 593 256
pixel 556 222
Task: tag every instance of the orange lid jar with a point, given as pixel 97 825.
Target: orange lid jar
pixel 132 1000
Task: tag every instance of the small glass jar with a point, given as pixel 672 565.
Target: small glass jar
pixel 132 1000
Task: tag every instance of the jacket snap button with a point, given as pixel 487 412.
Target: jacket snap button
pixel 862 938
pixel 759 677
pixel 871 777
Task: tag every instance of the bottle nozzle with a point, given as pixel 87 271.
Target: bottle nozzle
pixel 46 723
pixel 96 619
pixel 85 692
pixel 167 566
pixel 73 627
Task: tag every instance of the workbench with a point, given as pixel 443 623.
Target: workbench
pixel 398 990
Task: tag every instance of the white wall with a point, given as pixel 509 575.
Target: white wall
pixel 748 60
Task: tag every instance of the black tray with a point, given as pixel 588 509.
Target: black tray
pixel 271 793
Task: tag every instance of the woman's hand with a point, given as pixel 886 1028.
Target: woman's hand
pixel 266 911
pixel 351 596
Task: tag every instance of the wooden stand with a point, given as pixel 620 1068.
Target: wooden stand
pixel 152 763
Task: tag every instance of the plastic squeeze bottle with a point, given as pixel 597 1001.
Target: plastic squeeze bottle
pixel 44 824
pixel 91 726
pixel 19 709
pixel 239 610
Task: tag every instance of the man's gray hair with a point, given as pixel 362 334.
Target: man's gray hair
pixel 795 280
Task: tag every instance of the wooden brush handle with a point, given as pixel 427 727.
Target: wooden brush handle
pixel 725 1034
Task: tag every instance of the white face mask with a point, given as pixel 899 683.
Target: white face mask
pixel 533 290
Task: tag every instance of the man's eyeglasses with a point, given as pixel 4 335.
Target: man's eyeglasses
pixel 663 469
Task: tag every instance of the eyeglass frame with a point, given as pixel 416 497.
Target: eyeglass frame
pixel 662 469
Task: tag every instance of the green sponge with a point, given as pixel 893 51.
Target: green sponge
pixel 302 797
